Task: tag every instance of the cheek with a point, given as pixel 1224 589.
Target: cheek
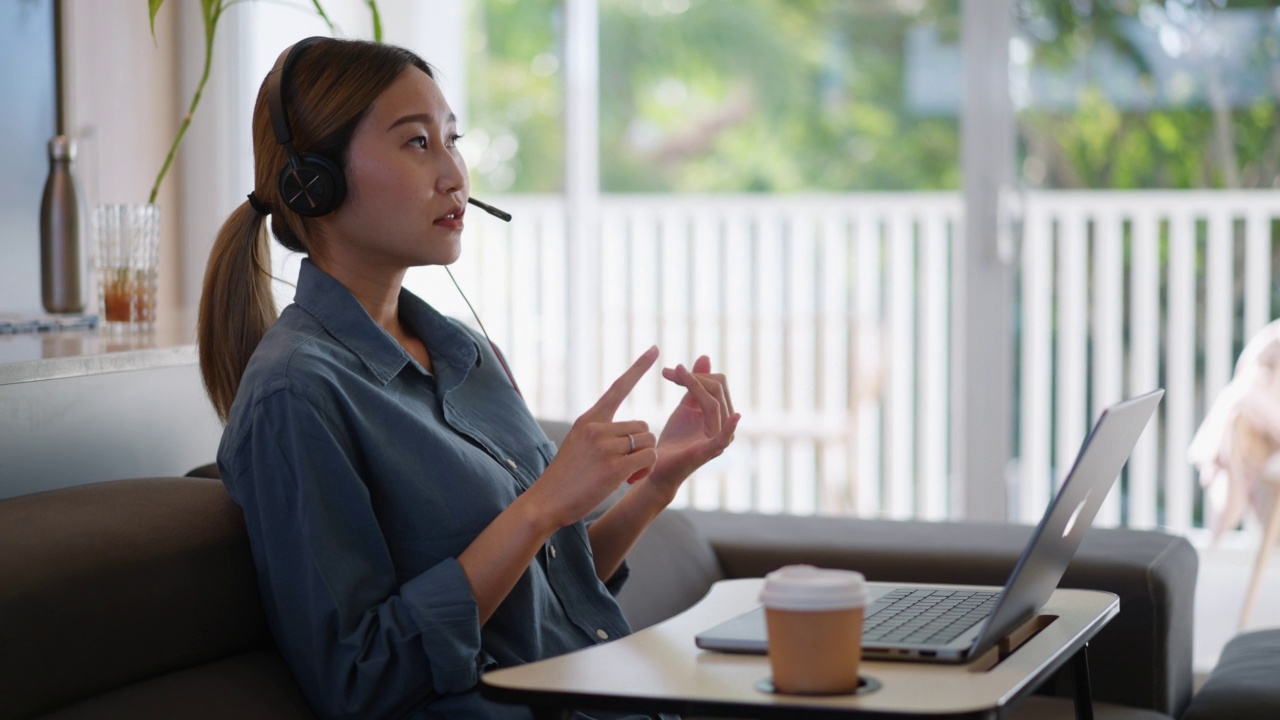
pixel 367 181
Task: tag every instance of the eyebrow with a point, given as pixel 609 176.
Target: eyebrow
pixel 424 119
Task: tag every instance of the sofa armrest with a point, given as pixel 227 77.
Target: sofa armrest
pixel 1141 659
pixel 1243 684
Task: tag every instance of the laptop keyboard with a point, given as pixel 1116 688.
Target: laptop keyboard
pixel 927 617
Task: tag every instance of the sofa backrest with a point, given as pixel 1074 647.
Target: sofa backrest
pixel 106 584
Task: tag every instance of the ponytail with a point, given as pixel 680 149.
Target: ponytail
pixel 236 305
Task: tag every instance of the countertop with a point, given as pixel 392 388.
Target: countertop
pixel 32 356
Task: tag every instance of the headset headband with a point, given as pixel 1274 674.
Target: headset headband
pixel 278 86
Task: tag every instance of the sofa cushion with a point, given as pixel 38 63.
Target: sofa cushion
pixel 110 583
pixel 250 686
pixel 672 567
pixel 1243 684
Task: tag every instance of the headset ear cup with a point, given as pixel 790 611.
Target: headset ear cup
pixel 314 187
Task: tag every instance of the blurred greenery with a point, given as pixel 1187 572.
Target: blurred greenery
pixel 1206 144
pixel 812 95
pixel 515 96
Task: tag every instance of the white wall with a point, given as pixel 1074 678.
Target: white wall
pixel 217 155
pixel 436 30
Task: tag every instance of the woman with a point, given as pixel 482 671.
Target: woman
pixel 411 524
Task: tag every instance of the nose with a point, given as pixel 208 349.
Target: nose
pixel 453 172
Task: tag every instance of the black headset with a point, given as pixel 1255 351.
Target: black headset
pixel 311 184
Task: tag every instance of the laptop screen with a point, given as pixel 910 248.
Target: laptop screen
pixel 1071 512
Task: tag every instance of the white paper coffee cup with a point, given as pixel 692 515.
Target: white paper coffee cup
pixel 814 617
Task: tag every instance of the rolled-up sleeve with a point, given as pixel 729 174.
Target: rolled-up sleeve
pixel 361 644
pixel 446 610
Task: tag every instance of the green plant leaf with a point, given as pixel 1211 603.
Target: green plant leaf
pixel 323 16
pixel 211 11
pixel 377 20
pixel 153 6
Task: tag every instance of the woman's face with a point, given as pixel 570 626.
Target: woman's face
pixel 407 184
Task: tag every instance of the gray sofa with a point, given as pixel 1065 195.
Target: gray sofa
pixel 137 598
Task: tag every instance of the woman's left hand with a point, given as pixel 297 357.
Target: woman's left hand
pixel 699 429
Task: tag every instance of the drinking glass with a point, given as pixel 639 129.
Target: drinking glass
pixel 127 244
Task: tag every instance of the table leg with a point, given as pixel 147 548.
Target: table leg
pixel 1080 680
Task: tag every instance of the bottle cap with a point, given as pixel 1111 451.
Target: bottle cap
pixel 62 147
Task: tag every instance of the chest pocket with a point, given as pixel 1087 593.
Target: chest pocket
pixel 528 463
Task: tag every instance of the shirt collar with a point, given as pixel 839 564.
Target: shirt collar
pixel 338 311
pixel 453 351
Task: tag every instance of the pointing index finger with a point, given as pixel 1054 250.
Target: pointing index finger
pixel 609 403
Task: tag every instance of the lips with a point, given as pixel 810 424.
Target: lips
pixel 451 219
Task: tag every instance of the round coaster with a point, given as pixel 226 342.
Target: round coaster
pixel 865 685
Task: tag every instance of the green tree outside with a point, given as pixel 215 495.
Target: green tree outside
pixel 812 95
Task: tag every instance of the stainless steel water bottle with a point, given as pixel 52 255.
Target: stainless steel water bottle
pixel 62 252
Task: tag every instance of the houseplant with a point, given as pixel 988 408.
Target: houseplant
pixel 127 236
pixel 211 11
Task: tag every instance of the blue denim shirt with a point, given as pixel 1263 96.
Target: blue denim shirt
pixel 362 478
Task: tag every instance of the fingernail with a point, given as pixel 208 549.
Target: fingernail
pixel 651 352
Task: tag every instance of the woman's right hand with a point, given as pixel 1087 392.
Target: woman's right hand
pixel 596 456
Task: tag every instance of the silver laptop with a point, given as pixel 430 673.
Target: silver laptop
pixel 949 624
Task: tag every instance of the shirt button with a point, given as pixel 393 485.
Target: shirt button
pixel 553 551
pixel 602 634
pixel 511 463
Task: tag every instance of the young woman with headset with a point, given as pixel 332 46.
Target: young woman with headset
pixel 411 524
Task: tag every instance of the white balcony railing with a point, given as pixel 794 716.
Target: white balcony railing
pixel 831 315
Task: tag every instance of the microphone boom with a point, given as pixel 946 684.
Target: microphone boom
pixel 500 214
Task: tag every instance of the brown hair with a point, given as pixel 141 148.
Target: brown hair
pixel 331 87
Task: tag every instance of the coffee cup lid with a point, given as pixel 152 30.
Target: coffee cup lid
pixel 809 588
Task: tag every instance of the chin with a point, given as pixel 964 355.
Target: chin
pixel 441 259
pixel 440 253
pixel 453 255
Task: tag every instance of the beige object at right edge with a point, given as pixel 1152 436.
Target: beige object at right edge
pixel 814 620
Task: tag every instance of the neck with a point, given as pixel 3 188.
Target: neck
pixel 377 292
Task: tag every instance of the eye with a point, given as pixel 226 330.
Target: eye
pixel 420 141
pixel 453 139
